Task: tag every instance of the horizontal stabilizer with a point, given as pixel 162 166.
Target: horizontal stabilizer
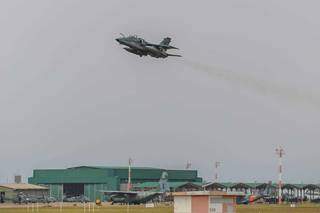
pixel 174 55
pixel 172 47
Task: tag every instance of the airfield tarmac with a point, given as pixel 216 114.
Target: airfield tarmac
pixel 78 208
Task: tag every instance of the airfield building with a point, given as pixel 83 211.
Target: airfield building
pixel 9 192
pixel 90 181
pixel 205 202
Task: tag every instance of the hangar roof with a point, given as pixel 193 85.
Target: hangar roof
pixel 112 167
pixel 22 186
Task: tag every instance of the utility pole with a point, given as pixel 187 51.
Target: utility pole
pixel 129 174
pixel 216 165
pixel 280 153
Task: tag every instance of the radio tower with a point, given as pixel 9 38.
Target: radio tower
pixel 129 174
pixel 216 165
pixel 280 153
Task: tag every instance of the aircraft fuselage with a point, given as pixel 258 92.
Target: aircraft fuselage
pixel 138 46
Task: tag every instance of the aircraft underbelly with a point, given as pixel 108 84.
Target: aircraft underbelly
pixel 134 46
pixel 154 52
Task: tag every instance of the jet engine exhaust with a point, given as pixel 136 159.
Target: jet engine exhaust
pixel 259 86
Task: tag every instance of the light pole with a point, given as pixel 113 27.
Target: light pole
pixel 216 165
pixel 129 174
pixel 280 153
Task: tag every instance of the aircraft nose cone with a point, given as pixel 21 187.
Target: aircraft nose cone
pixel 119 40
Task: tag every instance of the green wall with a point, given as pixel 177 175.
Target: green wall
pixel 93 191
pixel 56 191
pixel 71 175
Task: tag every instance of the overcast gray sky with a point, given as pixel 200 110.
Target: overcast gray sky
pixel 248 81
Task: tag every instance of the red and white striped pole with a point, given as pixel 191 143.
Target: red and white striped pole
pixel 280 153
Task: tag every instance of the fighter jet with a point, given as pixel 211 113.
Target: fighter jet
pixel 269 192
pixel 141 47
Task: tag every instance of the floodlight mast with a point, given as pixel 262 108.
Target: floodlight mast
pixel 280 153
pixel 216 165
pixel 129 174
pixel 188 166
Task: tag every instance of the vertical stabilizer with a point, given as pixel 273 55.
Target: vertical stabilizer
pixel 166 41
pixel 164 186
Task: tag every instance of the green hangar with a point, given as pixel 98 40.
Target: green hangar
pixel 91 180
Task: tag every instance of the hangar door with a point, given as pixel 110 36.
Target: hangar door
pixel 73 189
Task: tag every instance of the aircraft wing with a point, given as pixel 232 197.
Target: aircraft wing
pixel 119 192
pixel 150 197
pixel 162 46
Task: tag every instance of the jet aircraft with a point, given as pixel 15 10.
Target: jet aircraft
pixel 141 47
pixel 25 198
pixel 268 193
pixel 139 197
pixel 131 197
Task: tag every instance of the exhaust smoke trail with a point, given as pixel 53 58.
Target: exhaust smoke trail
pixel 259 86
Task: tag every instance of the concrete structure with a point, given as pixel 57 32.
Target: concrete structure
pixel 205 202
pixel 90 180
pixel 9 192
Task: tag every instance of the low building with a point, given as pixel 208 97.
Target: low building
pixel 9 192
pixel 301 191
pixel 205 202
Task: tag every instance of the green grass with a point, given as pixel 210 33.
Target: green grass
pixel 305 208
pixel 109 209
pixel 300 208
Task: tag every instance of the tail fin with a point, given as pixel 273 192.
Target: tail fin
pixel 166 41
pixel 163 182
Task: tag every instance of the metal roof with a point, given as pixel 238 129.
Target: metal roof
pixel 260 185
pixel 22 186
pixel 171 184
pixel 211 193
pixel 113 167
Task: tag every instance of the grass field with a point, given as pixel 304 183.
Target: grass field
pixel 109 209
pixel 306 208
